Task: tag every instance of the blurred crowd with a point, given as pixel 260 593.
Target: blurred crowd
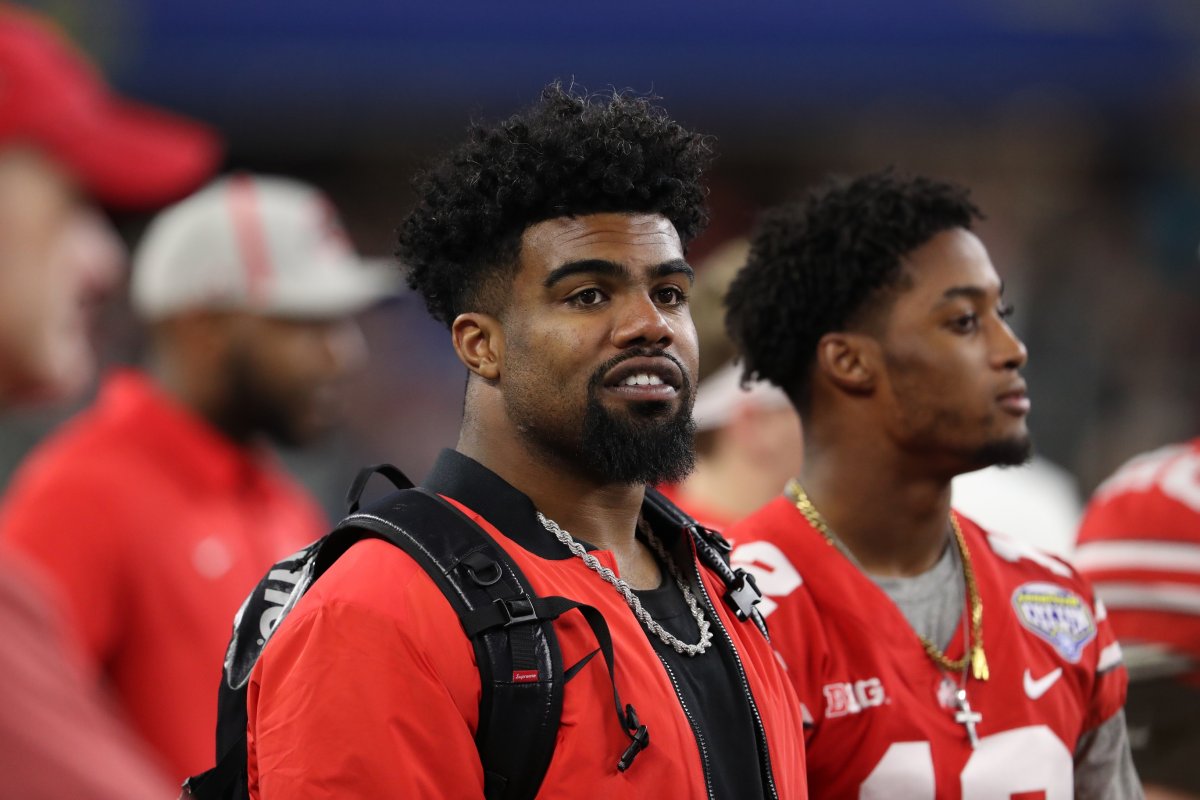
pixel 235 370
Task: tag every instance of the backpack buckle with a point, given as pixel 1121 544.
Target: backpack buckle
pixel 742 594
pixel 516 610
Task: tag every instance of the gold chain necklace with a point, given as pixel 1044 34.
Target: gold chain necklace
pixel 979 666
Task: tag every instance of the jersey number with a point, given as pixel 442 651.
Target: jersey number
pixel 774 574
pixel 1021 764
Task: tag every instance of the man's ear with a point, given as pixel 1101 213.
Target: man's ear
pixel 848 361
pixel 479 342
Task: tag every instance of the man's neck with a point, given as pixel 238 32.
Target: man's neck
pixel 199 397
pixel 604 515
pixel 893 518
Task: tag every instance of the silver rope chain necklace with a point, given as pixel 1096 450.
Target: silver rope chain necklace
pixel 631 599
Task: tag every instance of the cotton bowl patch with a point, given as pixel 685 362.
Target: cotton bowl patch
pixel 1057 615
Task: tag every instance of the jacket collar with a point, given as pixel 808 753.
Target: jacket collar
pixel 496 500
pixel 504 506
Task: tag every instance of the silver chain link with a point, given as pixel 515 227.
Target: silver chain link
pixel 631 599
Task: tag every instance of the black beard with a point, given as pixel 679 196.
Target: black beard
pixel 251 408
pixel 640 448
pixel 1005 452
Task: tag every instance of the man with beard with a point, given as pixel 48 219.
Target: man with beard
pixel 156 509
pixel 552 245
pixel 931 658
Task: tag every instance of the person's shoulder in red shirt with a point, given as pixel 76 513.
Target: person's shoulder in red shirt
pixel 1140 544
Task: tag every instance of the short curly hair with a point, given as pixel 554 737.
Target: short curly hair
pixel 567 155
pixel 826 263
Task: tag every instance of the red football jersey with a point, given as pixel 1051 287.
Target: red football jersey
pixel 1140 545
pixel 711 518
pixel 880 715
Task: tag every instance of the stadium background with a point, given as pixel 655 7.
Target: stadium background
pixel 1076 123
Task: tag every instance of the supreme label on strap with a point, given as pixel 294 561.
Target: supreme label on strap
pixel 525 676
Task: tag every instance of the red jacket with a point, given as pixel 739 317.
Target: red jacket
pixel 369 688
pixel 153 527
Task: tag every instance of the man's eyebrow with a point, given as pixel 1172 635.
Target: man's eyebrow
pixel 600 266
pixel 970 292
pixel 591 266
pixel 674 267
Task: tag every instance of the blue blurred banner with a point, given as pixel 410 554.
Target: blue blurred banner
pixel 253 58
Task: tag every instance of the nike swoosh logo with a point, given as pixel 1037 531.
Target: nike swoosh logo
pixel 1037 688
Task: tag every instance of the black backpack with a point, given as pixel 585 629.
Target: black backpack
pixel 511 629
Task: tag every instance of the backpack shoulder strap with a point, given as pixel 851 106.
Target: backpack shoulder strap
pixel 510 627
pixel 742 594
pixel 520 665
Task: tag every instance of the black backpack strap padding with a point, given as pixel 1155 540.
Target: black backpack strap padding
pixel 742 594
pixel 520 665
pixel 227 780
pixel 504 614
pixel 287 579
pixel 512 631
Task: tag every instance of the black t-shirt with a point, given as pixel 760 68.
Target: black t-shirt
pixel 712 696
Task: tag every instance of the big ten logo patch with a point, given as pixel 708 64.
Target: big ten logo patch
pixel 853 697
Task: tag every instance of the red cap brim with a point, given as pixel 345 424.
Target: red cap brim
pixel 133 156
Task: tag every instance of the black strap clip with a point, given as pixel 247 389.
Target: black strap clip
pixel 517 610
pixel 717 539
pixel 640 736
pixel 742 594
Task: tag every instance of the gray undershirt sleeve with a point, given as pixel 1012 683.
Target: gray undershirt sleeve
pixel 1103 764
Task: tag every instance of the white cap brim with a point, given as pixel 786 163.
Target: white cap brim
pixel 721 394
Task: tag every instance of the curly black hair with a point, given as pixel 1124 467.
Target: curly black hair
pixel 825 263
pixel 567 155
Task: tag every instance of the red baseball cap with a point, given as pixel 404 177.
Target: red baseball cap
pixel 126 154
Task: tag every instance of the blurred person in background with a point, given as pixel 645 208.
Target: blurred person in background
pixel 1036 502
pixel 748 439
pixel 156 510
pixel 1140 544
pixel 932 657
pixel 64 139
pixel 713 276
pixel 748 445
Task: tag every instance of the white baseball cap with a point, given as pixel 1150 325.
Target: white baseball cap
pixel 721 394
pixel 269 245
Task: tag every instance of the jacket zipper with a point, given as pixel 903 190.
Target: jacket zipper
pixel 695 728
pixel 763 752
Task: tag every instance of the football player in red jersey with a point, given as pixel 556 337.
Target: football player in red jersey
pixel 933 659
pixel 1140 545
